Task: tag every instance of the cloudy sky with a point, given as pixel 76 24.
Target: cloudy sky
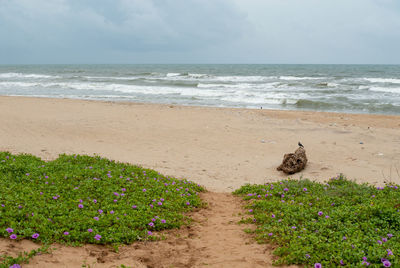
pixel 199 31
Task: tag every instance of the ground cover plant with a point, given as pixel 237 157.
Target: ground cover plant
pixel 79 199
pixel 338 223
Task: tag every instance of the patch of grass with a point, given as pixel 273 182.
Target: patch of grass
pixel 79 199
pixel 8 261
pixel 333 224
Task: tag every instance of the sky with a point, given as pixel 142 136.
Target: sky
pixel 200 31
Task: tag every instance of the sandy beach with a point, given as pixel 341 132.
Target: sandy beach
pixel 219 148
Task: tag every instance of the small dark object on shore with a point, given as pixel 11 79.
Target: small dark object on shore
pixel 293 163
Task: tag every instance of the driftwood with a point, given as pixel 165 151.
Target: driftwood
pixel 293 163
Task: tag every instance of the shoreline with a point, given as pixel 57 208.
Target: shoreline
pixel 220 148
pixel 203 106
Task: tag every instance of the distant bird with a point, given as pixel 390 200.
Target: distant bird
pixel 301 145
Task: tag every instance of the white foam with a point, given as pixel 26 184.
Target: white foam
pixel 21 75
pixel 239 86
pixel 198 75
pixel 332 85
pixel 383 80
pixel 17 84
pixel 252 78
pixel 290 78
pixel 173 74
pixel 386 89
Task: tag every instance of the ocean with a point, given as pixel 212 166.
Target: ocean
pixel 373 89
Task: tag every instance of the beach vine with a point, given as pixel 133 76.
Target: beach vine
pixel 78 199
pixel 333 224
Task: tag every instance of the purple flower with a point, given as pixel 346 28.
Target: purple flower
pixel 386 262
pixel 149 233
pixel 15 265
pixel 80 206
pixel 250 210
pixel 134 206
pixel 100 211
pixel 13 236
pixel 344 238
pixel 327 217
pixel 116 194
pixel 90 230
pixel 96 218
pixel 320 213
pixel 390 235
pixel 270 234
pixel 36 235
pixel 163 221
pixel 10 230
pixel 379 242
pixel 94 201
pixel 97 237
pixel 115 200
pixel 188 203
pixel 384 239
pixel 123 190
pixel 294 227
pixel 144 190
pixel 305 189
pixel 151 224
pixel 162 199
pixel 273 215
pixel 112 212
pixel 66 233
pixel 341 262
pixel 80 201
pixel 55 197
pixel 389 252
pixel 286 189
pixel 317 265
pixel 308 256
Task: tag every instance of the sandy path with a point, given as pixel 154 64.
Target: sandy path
pixel 214 239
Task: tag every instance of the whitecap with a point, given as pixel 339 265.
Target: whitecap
pixel 383 80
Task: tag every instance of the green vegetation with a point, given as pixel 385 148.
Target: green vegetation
pixel 327 225
pixel 81 199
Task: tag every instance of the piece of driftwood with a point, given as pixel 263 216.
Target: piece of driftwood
pixel 293 163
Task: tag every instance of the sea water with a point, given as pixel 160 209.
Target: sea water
pixel 336 88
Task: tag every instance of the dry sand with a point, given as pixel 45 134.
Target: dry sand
pixel 219 148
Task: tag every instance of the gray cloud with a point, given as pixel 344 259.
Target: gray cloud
pixel 204 31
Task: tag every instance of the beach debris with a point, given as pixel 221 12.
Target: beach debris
pixel 361 142
pixel 294 162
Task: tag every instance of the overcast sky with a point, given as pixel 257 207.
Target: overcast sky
pixel 200 31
